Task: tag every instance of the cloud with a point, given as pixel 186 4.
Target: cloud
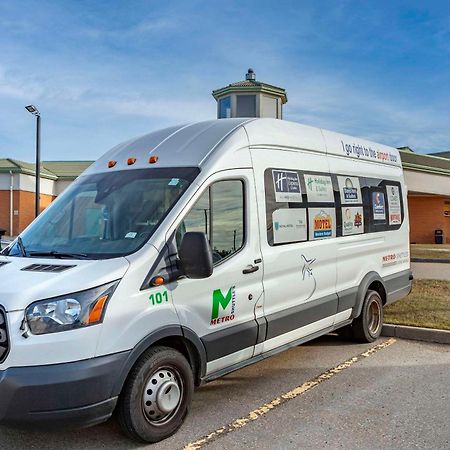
pixel 333 102
pixel 142 29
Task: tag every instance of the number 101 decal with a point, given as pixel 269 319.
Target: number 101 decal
pixel 158 298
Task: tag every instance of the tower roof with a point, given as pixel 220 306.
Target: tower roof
pixel 251 85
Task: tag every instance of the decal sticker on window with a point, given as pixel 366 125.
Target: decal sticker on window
pixel 322 223
pixel 352 221
pixel 174 181
pixel 131 235
pixel 378 206
pixel 349 189
pixel 287 186
pixel 223 306
pixel 319 188
pixel 393 198
pixel 289 225
pixel 158 298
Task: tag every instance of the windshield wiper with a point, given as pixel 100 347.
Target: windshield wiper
pixel 21 246
pixel 56 254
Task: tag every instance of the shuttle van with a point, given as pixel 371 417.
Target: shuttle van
pixel 191 252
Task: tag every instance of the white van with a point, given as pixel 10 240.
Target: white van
pixel 191 252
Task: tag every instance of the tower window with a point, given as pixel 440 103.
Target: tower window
pixel 246 106
pixel 225 108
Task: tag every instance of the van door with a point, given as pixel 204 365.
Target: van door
pixel 220 309
pixel 297 227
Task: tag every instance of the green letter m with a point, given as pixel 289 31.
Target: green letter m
pixel 219 299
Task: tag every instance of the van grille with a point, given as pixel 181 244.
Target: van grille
pixel 47 268
pixel 4 341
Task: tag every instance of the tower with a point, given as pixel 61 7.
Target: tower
pixel 250 98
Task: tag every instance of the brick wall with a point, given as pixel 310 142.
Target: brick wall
pixel 426 214
pixel 23 202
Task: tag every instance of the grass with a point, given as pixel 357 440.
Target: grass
pixel 433 251
pixel 427 306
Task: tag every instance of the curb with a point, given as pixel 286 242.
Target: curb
pixel 417 333
pixel 430 260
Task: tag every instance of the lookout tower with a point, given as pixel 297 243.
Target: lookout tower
pixel 250 98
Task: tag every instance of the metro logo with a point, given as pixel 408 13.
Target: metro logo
pixel 223 301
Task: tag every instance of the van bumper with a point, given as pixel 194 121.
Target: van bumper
pixel 70 395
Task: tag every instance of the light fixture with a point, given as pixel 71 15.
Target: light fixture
pixel 33 110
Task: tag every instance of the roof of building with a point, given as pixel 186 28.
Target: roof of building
pixel 53 170
pixel 66 169
pixel 441 154
pixel 250 84
pixel 405 149
pixel 424 163
pixel 17 166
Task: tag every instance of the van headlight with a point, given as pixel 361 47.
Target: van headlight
pixel 71 311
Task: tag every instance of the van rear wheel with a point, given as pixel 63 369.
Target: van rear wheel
pixel 367 327
pixel 157 395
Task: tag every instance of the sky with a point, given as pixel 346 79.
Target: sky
pixel 103 72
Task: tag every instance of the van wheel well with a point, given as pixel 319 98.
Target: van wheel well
pixel 378 287
pixel 187 349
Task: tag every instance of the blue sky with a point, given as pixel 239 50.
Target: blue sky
pixel 104 71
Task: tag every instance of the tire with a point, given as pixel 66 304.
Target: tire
pixel 157 395
pixel 367 327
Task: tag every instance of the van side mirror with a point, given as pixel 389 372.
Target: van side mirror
pixel 195 255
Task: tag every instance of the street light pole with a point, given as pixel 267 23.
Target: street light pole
pixel 33 110
pixel 38 165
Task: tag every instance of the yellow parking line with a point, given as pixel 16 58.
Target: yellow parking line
pixel 299 390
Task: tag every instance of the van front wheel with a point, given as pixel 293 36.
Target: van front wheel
pixel 367 327
pixel 157 395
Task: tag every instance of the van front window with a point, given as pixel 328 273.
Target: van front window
pixel 105 215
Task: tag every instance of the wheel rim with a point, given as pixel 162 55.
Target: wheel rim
pixel 374 317
pixel 162 395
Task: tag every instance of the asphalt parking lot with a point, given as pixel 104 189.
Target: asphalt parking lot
pixel 325 394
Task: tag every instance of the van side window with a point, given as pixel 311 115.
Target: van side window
pixel 219 213
pixel 383 204
pixel 198 219
pixel 307 205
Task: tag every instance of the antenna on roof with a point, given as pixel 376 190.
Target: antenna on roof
pixel 250 75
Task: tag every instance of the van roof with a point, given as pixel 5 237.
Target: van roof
pixel 190 145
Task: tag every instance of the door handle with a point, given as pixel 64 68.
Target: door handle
pixel 250 269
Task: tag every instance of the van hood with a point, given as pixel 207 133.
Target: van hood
pixel 25 280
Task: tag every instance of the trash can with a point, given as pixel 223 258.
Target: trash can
pixel 438 236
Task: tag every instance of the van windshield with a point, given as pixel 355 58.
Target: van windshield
pixel 105 215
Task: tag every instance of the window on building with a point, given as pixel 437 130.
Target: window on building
pixel 225 108
pixel 219 213
pixel 246 106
